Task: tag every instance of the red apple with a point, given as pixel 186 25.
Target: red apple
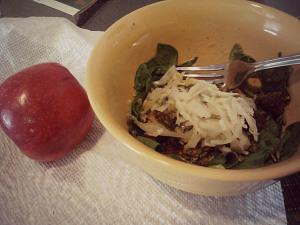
pixel 45 111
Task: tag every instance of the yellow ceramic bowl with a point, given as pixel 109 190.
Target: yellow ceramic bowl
pixel 207 29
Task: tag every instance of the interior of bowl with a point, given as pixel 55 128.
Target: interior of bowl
pixel 207 29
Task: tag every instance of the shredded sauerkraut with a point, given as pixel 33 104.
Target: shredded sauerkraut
pixel 204 114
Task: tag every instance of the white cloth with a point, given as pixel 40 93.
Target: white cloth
pixel 93 185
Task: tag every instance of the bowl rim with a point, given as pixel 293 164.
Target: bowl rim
pixel 273 171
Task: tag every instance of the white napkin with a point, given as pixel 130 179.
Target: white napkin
pixel 93 185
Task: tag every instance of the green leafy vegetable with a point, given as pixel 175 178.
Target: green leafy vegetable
pixel 269 91
pixel 272 128
pixel 226 161
pixel 142 85
pixel 290 141
pixel 232 159
pixel 143 79
pixel 219 159
pixel 148 141
pixel 177 157
pixel 133 129
pixel 237 53
pixel 189 62
pixel 256 159
pixel 166 56
pixel 268 143
pixel 136 105
pixel 275 79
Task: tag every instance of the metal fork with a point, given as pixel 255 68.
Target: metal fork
pixel 227 72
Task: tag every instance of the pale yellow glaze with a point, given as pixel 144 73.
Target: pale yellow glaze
pixel 207 29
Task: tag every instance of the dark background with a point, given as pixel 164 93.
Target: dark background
pixel 108 11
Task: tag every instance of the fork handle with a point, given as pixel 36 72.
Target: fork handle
pixel 278 62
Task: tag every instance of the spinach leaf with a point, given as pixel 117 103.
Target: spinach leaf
pixel 232 160
pixel 136 106
pixel 133 129
pixel 219 159
pixel 148 141
pixel 142 85
pixel 275 79
pixel 189 62
pixel 237 53
pixel 268 143
pixel 177 157
pixel 254 160
pixel 143 79
pixel 225 161
pixel 272 128
pixel 166 56
pixel 290 141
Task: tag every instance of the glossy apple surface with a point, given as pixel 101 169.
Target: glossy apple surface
pixel 45 111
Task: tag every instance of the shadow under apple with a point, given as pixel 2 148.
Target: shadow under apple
pixel 71 168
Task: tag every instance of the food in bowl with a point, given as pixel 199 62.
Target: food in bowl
pixel 206 124
pixel 110 76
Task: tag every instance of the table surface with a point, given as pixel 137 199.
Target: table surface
pixel 108 11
